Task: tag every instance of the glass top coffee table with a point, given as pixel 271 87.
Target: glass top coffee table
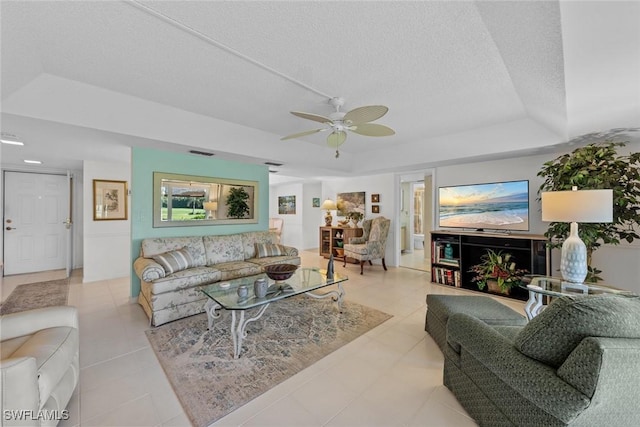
pixel 225 295
pixel 541 286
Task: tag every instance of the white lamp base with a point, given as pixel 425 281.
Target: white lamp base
pixel 573 262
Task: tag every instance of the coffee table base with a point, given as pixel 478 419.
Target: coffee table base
pixel 239 322
pixel 534 305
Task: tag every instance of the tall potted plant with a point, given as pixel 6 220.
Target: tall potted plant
pixel 592 167
pixel 237 202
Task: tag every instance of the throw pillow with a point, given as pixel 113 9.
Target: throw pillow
pixel 175 260
pixel 553 334
pixel 269 249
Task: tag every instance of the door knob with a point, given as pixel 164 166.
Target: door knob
pixel 10 228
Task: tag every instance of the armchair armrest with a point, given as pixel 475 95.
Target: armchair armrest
pixel 357 240
pixel 290 250
pixel 19 386
pixel 531 379
pixel 148 270
pixel 613 362
pixel 27 322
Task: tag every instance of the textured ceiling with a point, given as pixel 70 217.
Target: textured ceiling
pixel 462 80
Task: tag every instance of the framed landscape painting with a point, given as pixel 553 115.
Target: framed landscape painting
pixel 287 205
pixel 350 202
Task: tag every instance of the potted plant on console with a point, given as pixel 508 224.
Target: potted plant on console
pixel 355 218
pixel 498 271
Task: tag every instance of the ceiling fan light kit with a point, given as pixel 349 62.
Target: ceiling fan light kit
pixel 357 121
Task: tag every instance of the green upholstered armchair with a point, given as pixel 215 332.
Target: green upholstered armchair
pixel 576 363
pixel 371 245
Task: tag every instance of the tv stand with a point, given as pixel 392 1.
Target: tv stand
pixel 453 253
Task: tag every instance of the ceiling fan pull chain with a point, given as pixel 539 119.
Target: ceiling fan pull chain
pixel 337 154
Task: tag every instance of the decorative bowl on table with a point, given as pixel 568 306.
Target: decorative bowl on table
pixel 280 272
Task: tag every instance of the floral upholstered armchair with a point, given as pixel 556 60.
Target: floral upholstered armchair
pixel 372 243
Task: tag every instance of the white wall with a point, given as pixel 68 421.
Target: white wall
pixel 292 228
pixel 312 217
pixel 620 264
pixel 106 243
pixel 384 185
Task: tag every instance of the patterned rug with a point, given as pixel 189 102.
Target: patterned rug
pixel 291 335
pixel 36 295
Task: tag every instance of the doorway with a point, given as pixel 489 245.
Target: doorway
pixel 416 220
pixel 37 222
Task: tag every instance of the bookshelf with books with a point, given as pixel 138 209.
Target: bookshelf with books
pixel 453 253
pixel 445 261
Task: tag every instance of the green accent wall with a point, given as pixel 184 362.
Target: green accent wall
pixel 146 161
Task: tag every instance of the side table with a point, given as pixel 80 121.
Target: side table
pixel 542 288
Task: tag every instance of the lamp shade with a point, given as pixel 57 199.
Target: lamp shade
pixel 211 206
pixel 329 205
pixel 577 206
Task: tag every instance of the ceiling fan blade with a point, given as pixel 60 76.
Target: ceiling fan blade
pixel 373 129
pixel 336 139
pixel 365 114
pixel 301 134
pixel 314 117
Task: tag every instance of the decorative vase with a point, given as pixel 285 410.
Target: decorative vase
pixel 353 223
pixel 243 291
pixel 260 287
pixel 330 268
pixel 448 251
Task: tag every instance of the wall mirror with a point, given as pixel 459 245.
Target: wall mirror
pixel 188 200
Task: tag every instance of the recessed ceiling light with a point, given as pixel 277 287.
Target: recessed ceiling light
pixel 8 138
pixel 34 162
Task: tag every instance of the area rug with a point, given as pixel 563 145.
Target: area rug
pixel 290 336
pixel 36 295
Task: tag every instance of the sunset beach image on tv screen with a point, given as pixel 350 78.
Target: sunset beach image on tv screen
pixel 495 206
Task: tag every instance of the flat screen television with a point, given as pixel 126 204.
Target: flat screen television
pixel 491 206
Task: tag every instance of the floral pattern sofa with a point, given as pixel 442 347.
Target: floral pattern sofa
pixel 169 295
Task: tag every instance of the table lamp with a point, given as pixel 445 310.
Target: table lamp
pixel 329 205
pixel 211 207
pixel 576 206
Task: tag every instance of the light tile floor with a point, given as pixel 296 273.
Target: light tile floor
pixel 391 376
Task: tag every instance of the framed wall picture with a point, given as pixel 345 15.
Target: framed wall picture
pixel 350 202
pixel 109 200
pixel 316 202
pixel 375 208
pixel 375 198
pixel 286 205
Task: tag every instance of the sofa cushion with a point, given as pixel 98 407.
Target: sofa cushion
pixel 225 248
pixel 158 245
pixel 283 259
pixel 175 261
pixel 185 279
pixel 553 334
pixel 250 239
pixel 233 270
pixel 269 249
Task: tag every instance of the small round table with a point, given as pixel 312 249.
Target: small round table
pixel 540 287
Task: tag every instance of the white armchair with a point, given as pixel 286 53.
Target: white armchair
pixel 39 364
pixel 275 225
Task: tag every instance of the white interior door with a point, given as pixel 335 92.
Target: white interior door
pixel 36 210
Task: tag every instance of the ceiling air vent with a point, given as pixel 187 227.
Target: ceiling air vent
pixel 201 153
pixel 273 164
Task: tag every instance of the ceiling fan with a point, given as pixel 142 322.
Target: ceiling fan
pixel 357 120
